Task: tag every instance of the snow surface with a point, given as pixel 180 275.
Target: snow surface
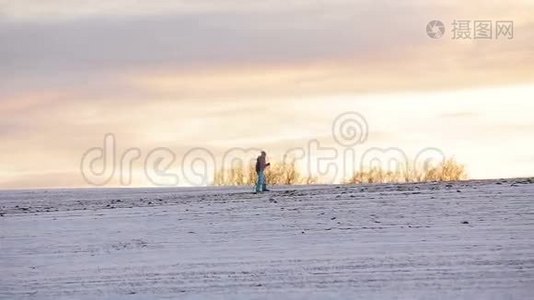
pixel 464 240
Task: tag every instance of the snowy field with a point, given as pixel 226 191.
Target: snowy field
pixel 465 240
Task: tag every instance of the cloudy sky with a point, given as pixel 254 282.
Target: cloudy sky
pixel 272 74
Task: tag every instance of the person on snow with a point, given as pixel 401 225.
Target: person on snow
pixel 261 164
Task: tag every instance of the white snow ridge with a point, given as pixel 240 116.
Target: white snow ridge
pixel 463 240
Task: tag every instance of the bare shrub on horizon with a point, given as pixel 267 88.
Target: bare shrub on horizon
pixel 448 170
pixel 287 173
pixel 279 173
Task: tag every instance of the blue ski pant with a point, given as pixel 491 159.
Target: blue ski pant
pixel 261 184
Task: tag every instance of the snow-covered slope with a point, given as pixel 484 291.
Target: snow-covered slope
pixel 465 240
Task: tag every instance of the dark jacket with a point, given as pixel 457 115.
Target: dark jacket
pixel 260 164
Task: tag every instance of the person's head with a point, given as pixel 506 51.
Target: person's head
pixel 263 153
